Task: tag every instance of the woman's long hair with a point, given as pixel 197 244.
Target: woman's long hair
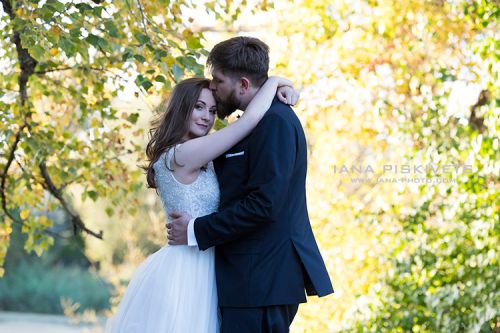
pixel 172 122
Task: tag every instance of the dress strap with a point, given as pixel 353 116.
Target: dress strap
pixel 171 154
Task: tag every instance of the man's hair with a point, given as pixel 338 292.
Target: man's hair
pixel 241 56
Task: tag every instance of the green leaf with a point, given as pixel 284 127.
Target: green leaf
pixel 178 72
pixel 93 40
pixel 189 62
pixel 111 28
pixel 98 11
pixel 133 116
pixel 93 195
pixel 140 58
pixel 67 47
pixel 46 12
pixel 146 85
pixel 104 44
pixel 75 32
pixel 167 85
pixel 194 43
pixel 127 55
pixel 173 44
pixel 142 38
pixel 37 52
pixel 109 211
pixel 53 39
pixel 143 82
pixel 220 124
pixel 160 78
pixel 58 6
pixel 160 54
pixel 82 7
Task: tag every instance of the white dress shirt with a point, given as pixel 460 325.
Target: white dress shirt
pixel 190 234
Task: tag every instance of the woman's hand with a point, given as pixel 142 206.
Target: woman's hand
pixel 287 95
pixel 285 91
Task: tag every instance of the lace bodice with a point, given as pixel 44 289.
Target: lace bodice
pixel 197 199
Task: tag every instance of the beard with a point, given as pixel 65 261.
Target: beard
pixel 227 106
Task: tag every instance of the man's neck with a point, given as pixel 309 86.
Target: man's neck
pixel 248 98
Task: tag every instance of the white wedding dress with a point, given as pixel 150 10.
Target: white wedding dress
pixel 174 289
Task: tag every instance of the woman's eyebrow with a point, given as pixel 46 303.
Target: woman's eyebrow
pixel 200 101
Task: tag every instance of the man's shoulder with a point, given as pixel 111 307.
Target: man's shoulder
pixel 280 112
pixel 276 105
pixel 280 118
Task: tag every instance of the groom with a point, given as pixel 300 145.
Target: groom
pixel 266 254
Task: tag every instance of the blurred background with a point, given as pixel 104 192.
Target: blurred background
pixel 400 104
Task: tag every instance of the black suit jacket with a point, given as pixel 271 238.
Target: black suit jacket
pixel 266 253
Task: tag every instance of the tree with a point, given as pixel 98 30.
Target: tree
pixel 382 86
pixel 444 269
pixel 63 63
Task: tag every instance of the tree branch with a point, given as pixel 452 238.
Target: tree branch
pixel 143 16
pixel 115 158
pixel 28 64
pixel 7 7
pixel 56 192
pixel 47 231
pixel 6 171
pixel 68 69
pixel 478 122
pixel 2 187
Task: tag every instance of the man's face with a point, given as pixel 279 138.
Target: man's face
pixel 225 91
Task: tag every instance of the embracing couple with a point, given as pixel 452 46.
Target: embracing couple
pixel 241 253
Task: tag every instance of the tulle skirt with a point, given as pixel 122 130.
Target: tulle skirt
pixel 172 291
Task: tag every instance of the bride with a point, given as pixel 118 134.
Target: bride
pixel 174 289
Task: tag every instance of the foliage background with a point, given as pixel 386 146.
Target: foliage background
pixel 383 83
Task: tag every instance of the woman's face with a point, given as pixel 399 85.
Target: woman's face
pixel 203 115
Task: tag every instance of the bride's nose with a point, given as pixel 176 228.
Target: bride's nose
pixel 206 115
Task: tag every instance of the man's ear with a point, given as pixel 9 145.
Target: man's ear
pixel 244 85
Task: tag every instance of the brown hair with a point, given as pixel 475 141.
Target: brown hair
pixel 172 123
pixel 241 56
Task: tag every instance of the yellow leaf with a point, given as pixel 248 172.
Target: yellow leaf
pixel 95 122
pixel 25 213
pixel 53 51
pixel 38 251
pixel 187 33
pixel 170 61
pixel 55 30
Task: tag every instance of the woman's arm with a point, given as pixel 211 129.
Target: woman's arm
pixel 195 153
